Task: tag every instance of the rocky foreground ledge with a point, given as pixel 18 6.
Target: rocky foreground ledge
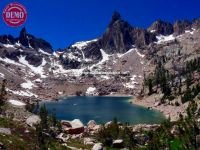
pixel 76 130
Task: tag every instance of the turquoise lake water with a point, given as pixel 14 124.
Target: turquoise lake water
pixel 102 110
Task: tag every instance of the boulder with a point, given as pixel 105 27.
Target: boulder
pixel 118 143
pixel 198 140
pixel 145 127
pixel 157 104
pixel 88 141
pixel 33 120
pixel 91 91
pixel 2 146
pixel 141 139
pixel 63 137
pixel 108 124
pixel 98 146
pixel 175 130
pixel 6 131
pixel 73 127
pixel 91 124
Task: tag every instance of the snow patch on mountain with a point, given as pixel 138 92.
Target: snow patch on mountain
pixel 161 38
pixel 43 52
pixel 26 93
pixel 131 84
pixel 189 31
pixel 27 85
pixel 130 51
pixel 105 57
pixel 9 61
pixel 139 54
pixel 58 69
pixel 2 75
pixel 75 72
pixel 91 91
pixel 55 54
pixel 8 46
pixel 16 103
pixel 37 70
pixel 153 31
pixel 82 44
pixel 106 77
pixel 18 44
pixel 71 56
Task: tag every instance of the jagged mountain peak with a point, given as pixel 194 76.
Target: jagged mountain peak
pixel 181 25
pixel 196 23
pixel 120 36
pixel 23 32
pixel 115 17
pixel 161 27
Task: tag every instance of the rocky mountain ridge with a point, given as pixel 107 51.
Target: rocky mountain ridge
pixel 123 53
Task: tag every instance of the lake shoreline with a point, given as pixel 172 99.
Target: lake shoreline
pixel 167 110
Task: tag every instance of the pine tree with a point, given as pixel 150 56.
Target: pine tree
pixel 150 85
pixel 3 94
pixel 44 117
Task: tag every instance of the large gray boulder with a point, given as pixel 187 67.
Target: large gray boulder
pixel 6 131
pixel 98 146
pixel 33 120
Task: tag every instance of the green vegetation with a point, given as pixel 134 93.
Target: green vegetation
pixel 171 85
pixel 19 139
pixel 2 95
pixel 179 135
pixel 107 134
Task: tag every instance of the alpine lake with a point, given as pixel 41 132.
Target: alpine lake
pixel 102 110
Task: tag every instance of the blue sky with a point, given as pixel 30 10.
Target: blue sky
pixel 63 22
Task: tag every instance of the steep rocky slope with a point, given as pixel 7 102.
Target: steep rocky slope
pixel 114 63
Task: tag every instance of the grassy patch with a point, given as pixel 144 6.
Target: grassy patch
pixel 78 144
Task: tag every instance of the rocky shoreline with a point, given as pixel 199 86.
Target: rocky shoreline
pixel 169 109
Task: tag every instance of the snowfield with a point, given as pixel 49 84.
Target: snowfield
pixel 16 103
pixel 129 51
pixel 9 61
pixel 23 93
pixel 27 85
pixel 37 70
pixel 131 84
pixel 82 44
pixel 161 38
pixel 8 46
pixel 2 75
pixel 91 90
pixel 43 52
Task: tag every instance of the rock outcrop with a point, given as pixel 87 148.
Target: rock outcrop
pixel 33 120
pixel 161 28
pixel 181 26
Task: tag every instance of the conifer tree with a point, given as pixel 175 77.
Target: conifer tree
pixel 2 94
